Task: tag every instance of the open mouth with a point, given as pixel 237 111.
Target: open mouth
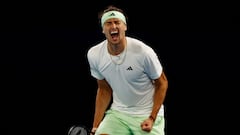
pixel 114 35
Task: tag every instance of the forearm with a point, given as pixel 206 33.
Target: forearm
pixel 161 86
pixel 157 103
pixel 103 99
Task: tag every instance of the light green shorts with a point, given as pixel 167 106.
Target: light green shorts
pixel 116 123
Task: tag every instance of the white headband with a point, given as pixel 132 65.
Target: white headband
pixel 112 14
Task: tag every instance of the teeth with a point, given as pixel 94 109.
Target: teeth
pixel 114 32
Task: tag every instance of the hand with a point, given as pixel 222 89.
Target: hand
pixel 147 125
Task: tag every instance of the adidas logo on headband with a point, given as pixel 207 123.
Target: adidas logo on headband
pixel 112 14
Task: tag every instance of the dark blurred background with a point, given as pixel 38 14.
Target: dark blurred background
pixel 47 85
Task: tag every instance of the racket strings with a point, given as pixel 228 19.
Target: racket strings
pixel 78 130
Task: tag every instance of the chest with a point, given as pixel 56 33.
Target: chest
pixel 131 69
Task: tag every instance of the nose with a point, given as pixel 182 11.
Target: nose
pixel 114 25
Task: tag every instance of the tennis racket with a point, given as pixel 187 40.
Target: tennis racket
pixel 78 130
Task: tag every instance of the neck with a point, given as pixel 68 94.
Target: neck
pixel 115 49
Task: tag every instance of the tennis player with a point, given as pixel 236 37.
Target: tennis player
pixel 131 82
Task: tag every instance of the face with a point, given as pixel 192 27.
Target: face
pixel 114 30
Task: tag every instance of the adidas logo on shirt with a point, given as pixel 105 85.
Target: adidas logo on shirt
pixel 129 68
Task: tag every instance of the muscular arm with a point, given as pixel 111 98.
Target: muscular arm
pixel 103 98
pixel 161 85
